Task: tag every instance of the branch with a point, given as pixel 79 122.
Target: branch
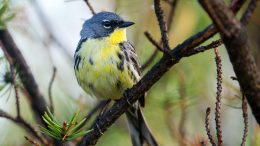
pixel 131 95
pixel 163 28
pixel 235 39
pixel 37 101
pixel 13 82
pixel 245 116
pixel 31 141
pixel 251 7
pixel 21 122
pixel 151 39
pixel 169 22
pixel 208 127
pixel 218 97
pixel 200 49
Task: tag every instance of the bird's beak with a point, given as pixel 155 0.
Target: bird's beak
pixel 125 24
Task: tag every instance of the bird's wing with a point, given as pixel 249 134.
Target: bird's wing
pixel 131 55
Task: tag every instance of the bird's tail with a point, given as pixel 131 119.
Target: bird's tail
pixel 138 128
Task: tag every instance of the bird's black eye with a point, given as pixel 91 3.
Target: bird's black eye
pixel 106 24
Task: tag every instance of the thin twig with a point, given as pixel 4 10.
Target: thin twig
pixel 250 9
pixel 245 117
pixel 36 99
pixel 34 143
pixel 213 44
pixel 169 24
pixel 218 97
pixel 20 121
pixel 13 82
pixel 50 87
pixel 234 36
pixel 159 14
pixel 16 91
pixel 208 127
pixel 151 39
pixel 90 7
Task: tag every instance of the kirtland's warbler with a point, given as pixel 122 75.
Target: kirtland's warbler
pixel 106 65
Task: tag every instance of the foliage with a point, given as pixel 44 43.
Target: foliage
pixel 5 14
pixel 65 131
pixel 5 76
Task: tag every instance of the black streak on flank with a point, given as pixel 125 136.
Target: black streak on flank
pixel 124 50
pixel 131 73
pixel 120 55
pixel 90 61
pixel 77 61
pixel 120 64
pixel 126 56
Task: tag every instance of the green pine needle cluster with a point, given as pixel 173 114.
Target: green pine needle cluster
pixel 5 76
pixel 5 13
pixel 65 131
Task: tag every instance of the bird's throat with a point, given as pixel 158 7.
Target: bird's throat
pixel 118 36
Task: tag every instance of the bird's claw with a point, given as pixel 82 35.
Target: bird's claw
pixel 125 96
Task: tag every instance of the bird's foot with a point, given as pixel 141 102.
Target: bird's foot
pixel 125 95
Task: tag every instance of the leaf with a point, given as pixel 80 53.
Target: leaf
pixel 4 7
pixel 52 117
pixel 49 121
pixel 77 127
pixel 79 134
pixel 55 129
pixel 73 120
pixel 50 133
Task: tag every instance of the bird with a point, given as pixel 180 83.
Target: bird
pixel 106 65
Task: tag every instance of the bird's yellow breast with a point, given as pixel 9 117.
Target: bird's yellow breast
pixel 101 71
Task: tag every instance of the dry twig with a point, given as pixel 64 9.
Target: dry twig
pixel 169 24
pixel 36 99
pixel 208 127
pixel 31 141
pixel 21 122
pixel 218 97
pixel 250 9
pixel 213 44
pixel 159 14
pixel 234 36
pixel 245 117
pixel 150 38
pixel 50 87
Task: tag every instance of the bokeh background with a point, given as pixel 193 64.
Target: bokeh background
pixel 47 33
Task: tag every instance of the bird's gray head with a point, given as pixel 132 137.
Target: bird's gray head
pixel 102 24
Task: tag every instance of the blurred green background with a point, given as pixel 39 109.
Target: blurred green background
pixel 47 32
